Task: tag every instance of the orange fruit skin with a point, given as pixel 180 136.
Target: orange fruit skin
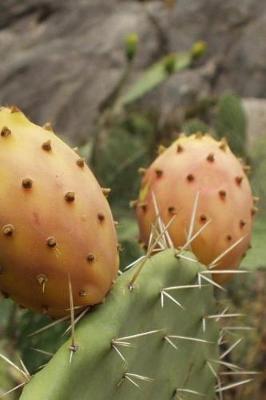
pixel 62 224
pixel 200 166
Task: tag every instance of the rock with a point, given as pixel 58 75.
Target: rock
pixel 256 118
pixel 61 59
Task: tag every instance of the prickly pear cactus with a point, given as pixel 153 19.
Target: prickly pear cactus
pixel 199 183
pixel 55 222
pixel 143 343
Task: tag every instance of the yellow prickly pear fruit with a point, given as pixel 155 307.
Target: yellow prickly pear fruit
pixel 55 222
pixel 199 167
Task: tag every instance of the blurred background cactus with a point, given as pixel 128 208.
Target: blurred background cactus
pixel 231 123
pixel 136 75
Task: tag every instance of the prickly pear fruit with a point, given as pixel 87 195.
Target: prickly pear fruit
pixel 200 167
pixel 55 222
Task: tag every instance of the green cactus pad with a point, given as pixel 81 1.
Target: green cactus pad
pixel 231 123
pixel 98 372
pixel 160 71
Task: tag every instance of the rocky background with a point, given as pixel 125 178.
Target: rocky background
pixel 60 59
pixel 64 61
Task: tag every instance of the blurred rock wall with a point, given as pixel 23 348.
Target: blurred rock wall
pixel 61 58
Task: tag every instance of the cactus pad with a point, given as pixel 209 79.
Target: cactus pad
pixel 145 343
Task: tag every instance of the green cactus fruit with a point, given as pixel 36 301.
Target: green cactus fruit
pixel 55 222
pixel 140 344
pixel 198 171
